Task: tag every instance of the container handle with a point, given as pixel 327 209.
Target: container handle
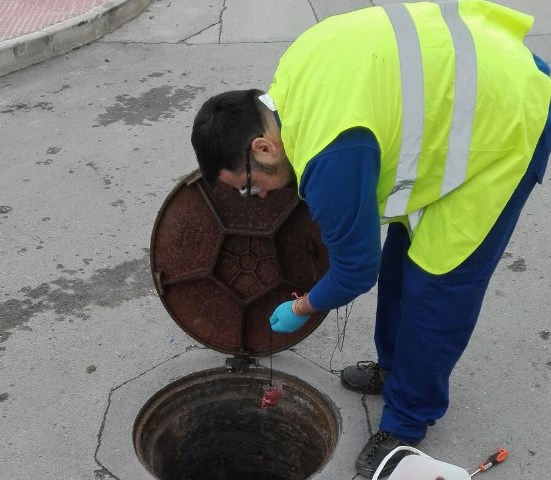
pixel 391 454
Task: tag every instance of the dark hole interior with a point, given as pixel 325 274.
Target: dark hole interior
pixel 210 426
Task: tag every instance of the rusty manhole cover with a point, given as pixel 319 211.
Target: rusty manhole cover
pixel 222 263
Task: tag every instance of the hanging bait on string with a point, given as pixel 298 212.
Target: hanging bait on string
pixel 271 395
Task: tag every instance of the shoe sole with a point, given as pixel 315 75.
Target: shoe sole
pixel 387 469
pixel 385 472
pixel 359 389
pixel 370 473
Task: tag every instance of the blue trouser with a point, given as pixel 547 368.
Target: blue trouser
pixel 424 321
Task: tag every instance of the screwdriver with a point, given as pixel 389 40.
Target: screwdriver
pixel 497 457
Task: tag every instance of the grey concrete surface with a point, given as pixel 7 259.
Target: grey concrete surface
pixel 93 141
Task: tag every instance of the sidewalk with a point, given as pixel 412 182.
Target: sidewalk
pixel 32 31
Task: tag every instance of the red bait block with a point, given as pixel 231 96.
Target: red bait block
pixel 271 394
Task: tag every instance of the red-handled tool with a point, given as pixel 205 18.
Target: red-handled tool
pixel 497 457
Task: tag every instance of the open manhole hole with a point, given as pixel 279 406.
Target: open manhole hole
pixel 211 426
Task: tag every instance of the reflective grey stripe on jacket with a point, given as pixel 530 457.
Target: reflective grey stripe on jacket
pixel 413 114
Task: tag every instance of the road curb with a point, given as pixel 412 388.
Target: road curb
pixel 26 50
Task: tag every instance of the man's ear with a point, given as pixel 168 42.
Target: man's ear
pixel 265 150
pixel 261 145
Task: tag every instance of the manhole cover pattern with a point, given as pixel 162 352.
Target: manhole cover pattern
pixel 222 263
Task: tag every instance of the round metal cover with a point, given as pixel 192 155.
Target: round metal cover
pixel 221 263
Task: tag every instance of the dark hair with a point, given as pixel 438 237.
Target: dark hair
pixel 223 129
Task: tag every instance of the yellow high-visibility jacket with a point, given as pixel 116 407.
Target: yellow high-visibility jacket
pixel 450 92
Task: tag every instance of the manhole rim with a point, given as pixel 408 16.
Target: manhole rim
pixel 115 451
pixel 220 374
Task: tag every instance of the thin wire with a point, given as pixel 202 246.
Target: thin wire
pixel 271 359
pixel 340 335
pixel 262 387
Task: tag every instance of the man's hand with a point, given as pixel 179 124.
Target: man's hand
pixel 284 320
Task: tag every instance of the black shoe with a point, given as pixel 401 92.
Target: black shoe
pixel 376 449
pixel 365 377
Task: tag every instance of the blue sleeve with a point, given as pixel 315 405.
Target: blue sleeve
pixel 340 188
pixel 542 66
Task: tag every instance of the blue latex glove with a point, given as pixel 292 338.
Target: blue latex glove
pixel 284 320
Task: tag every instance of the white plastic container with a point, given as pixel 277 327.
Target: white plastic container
pixel 422 467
